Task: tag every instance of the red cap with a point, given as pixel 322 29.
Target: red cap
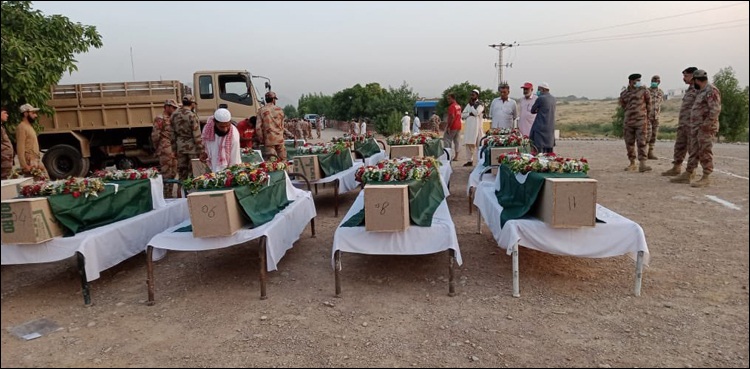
pixel 527 85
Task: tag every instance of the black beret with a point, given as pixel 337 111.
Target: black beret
pixel 634 76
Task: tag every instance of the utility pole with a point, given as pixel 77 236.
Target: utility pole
pixel 500 47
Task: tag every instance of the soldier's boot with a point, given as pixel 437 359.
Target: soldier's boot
pixel 651 155
pixel 703 182
pixel 686 177
pixel 632 167
pixel 676 169
pixel 643 167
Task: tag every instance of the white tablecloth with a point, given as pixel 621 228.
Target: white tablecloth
pixel 347 182
pixel 415 240
pixel 285 228
pixel 476 174
pixel 374 159
pixel 103 247
pixel 618 236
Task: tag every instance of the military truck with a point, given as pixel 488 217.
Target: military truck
pixel 100 124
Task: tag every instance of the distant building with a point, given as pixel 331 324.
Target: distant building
pixel 675 92
pixel 425 108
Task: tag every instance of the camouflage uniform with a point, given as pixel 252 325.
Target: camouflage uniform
pixel 637 104
pixel 270 129
pixel 161 136
pixel 657 98
pixel 7 155
pixel 187 143
pixel 318 127
pixel 704 124
pixel 681 142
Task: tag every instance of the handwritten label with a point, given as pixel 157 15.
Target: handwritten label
pixel 6 214
pixel 382 206
pixel 571 202
pixel 209 211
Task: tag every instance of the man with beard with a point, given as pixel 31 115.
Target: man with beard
pixel 526 118
pixel 542 133
pixel 29 156
pixel 472 115
pixel 222 141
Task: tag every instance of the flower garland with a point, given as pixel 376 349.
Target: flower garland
pixel 409 139
pixel 501 131
pixel 246 150
pixel 506 140
pixel 395 170
pixel 253 175
pixel 543 163
pixel 73 186
pixel 323 148
pixel 127 174
pixel 354 137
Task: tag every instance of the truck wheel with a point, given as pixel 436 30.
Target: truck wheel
pixel 63 161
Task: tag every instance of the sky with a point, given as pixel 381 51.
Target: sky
pixel 578 48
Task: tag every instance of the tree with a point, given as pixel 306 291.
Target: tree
pixel 290 111
pixel 36 51
pixel 733 120
pixel 314 104
pixel 618 121
pixel 463 92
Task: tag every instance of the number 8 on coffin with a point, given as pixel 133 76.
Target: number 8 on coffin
pixel 386 208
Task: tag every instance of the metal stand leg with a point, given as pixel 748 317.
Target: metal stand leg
pixel 263 268
pixel 337 271
pixel 471 199
pixel 312 226
pixel 451 272
pixel 479 222
pixel 516 288
pixel 150 275
pixel 84 279
pixel 638 273
pixel 316 188
pixel 336 196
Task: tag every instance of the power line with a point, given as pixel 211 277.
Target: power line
pixel 638 22
pixel 647 34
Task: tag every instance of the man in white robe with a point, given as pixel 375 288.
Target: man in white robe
pixel 472 116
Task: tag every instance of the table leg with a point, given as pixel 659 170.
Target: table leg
pixel 263 268
pixel 150 275
pixel 451 272
pixel 84 279
pixel 471 199
pixel 337 271
pixel 638 273
pixel 312 226
pixel 479 222
pixel 316 188
pixel 336 197
pixel 516 288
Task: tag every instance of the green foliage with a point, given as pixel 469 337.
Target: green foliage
pixel 372 101
pixel 389 124
pixel 290 111
pixel 463 92
pixel 618 121
pixel 36 51
pixel 733 120
pixel 314 104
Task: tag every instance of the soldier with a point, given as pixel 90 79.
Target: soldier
pixel 161 137
pixel 319 126
pixel 29 155
pixel 270 130
pixel 704 124
pixel 683 129
pixel 187 143
pixel 657 97
pixel 636 102
pixel 7 149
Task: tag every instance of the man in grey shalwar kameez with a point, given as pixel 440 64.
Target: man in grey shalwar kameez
pixel 542 133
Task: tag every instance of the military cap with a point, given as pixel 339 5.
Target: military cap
pixel 28 107
pixel 700 73
pixel 188 99
pixel 270 95
pixel 171 102
pixel 656 76
pixel 634 76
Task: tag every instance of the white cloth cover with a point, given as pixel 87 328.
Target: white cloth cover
pixel 285 228
pixel 476 175
pixel 157 192
pixel 347 181
pixel 103 247
pixel 618 236
pixel 415 240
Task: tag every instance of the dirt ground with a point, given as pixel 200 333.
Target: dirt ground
pixel 395 311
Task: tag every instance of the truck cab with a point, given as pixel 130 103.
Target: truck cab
pixel 229 88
